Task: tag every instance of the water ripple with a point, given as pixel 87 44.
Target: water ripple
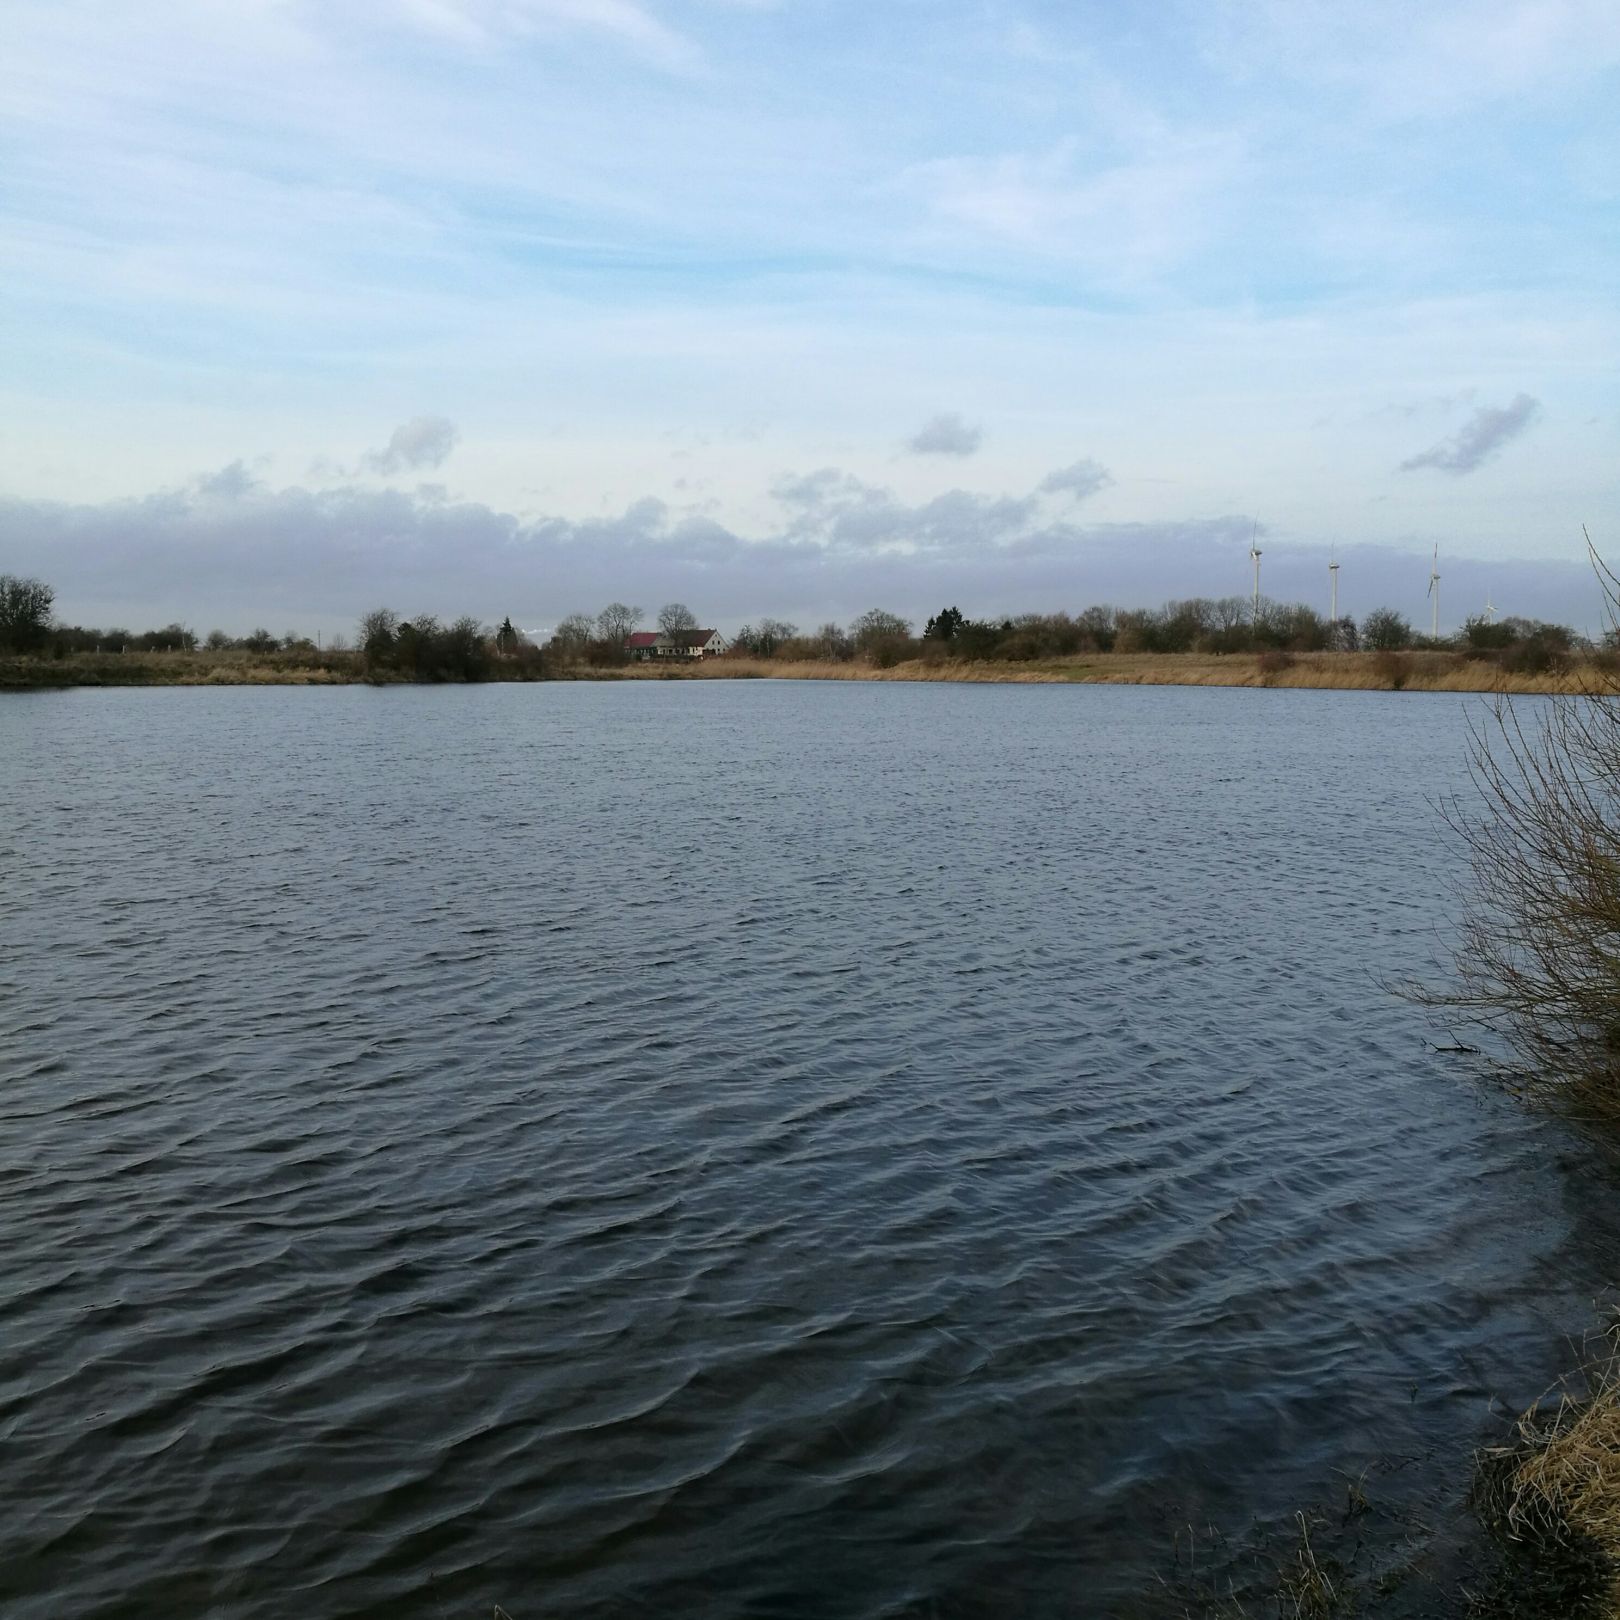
pixel 736 1150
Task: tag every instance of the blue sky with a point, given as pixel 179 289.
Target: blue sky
pixel 518 305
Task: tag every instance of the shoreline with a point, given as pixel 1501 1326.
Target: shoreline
pixel 1337 672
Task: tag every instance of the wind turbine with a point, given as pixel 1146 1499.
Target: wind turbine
pixel 1254 557
pixel 1434 593
pixel 1490 609
pixel 1333 574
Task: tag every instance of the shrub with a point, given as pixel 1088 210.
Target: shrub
pixel 887 651
pixel 1384 630
pixel 1534 657
pixel 1480 636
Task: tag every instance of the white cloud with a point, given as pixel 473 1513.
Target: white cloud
pixel 946 435
pixel 424 441
pixel 230 483
pixel 1480 437
pixel 1078 480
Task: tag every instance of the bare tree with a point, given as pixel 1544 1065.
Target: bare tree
pixel 877 625
pixel 674 617
pixel 831 641
pixel 575 630
pixel 616 621
pixel 1538 963
pixel 763 639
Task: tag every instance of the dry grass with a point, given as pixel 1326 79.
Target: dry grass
pixel 1305 1589
pixel 1554 1494
pixel 1575 1475
pixel 254 673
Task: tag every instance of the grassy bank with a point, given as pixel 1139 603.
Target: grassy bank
pixel 1372 672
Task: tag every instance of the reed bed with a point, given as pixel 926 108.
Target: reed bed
pixel 1370 672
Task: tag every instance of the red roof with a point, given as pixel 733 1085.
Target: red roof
pixel 642 638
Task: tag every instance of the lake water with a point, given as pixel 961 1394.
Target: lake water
pixel 734 1149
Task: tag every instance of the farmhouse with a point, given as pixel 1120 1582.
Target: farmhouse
pixel 646 645
pixel 699 644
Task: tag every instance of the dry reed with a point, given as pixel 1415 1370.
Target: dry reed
pixel 1410 672
pixel 1553 1496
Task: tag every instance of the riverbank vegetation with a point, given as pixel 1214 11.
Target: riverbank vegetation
pixel 1536 982
pixel 1536 968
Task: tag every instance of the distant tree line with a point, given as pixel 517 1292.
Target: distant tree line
pixel 424 649
pixel 1219 625
pixel 28 627
pixel 599 639
pixel 420 649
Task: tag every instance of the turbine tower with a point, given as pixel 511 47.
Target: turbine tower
pixel 1333 574
pixel 1490 609
pixel 1254 557
pixel 1434 593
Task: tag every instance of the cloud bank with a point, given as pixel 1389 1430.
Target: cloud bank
pixel 1480 437
pixel 233 551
